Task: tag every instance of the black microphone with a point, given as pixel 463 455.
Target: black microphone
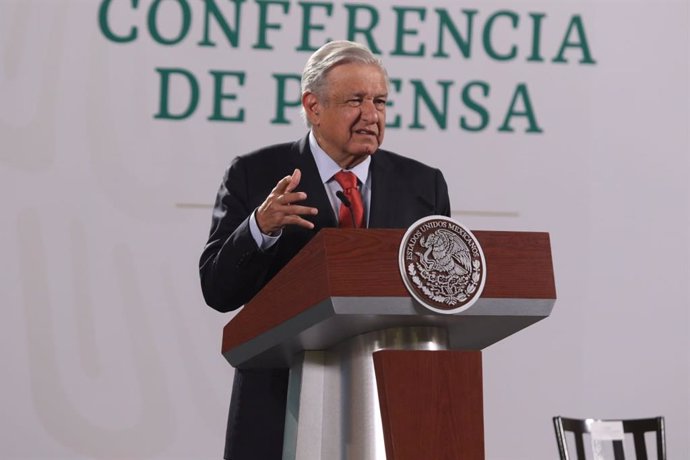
pixel 346 202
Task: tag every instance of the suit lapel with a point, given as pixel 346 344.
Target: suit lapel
pixel 383 192
pixel 311 184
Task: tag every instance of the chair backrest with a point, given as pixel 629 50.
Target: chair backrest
pixel 601 431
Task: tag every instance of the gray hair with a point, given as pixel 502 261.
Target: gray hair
pixel 327 57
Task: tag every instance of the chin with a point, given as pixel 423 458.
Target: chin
pixel 368 149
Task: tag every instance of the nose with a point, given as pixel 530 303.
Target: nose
pixel 369 112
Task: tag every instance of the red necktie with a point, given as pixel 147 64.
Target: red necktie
pixel 348 181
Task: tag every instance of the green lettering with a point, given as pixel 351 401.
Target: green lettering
pixel 446 23
pixel 308 26
pixel 488 32
pixel 282 102
pixel 475 106
pixel 401 31
pixel 396 83
pixel 184 27
pixel 353 30
pixel 164 109
pixel 522 94
pixel 264 25
pixel 105 26
pixel 231 34
pixel 536 37
pixel 440 115
pixel 219 95
pixel 580 42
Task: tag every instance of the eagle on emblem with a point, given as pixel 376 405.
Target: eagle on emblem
pixel 446 252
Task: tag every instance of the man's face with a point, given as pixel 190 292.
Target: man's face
pixel 349 119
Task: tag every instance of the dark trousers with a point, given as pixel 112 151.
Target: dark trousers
pixel 256 420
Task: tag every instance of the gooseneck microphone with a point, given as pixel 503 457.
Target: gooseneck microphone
pixel 346 202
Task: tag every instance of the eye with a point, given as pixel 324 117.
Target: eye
pixel 380 103
pixel 354 102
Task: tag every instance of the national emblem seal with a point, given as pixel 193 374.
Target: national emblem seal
pixel 442 264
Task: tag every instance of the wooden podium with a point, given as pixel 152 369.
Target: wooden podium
pixel 340 301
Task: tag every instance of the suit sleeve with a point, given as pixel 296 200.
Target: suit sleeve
pixel 232 268
pixel 442 198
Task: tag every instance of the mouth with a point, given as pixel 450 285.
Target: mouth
pixel 366 132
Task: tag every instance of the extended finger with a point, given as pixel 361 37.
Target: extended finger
pixel 297 220
pixel 298 210
pixel 294 180
pixel 294 197
pixel 282 185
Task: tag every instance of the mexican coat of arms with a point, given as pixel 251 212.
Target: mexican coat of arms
pixel 442 264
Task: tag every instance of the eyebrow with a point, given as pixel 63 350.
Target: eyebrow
pixel 362 94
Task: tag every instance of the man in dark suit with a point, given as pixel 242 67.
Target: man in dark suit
pixel 274 200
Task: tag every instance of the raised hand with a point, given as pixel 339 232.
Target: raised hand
pixel 278 209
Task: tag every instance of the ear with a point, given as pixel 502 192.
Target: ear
pixel 312 108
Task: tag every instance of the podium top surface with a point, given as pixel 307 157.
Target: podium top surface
pixel 346 282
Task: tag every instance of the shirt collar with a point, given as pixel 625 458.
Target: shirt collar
pixel 328 167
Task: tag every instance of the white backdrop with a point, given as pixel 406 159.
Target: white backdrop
pixel 107 347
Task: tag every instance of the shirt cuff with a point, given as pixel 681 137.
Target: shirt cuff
pixel 262 240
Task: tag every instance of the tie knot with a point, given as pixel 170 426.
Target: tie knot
pixel 346 179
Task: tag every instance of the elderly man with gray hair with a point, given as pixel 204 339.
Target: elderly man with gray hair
pixel 272 201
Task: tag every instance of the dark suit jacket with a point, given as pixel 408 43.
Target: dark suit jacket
pixel 233 269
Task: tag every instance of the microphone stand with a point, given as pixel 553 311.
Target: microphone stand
pixel 346 202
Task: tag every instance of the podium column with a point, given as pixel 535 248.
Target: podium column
pixel 333 407
pixel 431 404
